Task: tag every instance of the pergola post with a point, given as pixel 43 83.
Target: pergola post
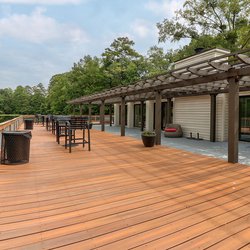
pixel 142 120
pixel 102 118
pixel 233 120
pixel 169 110
pixel 110 114
pixel 158 117
pixel 90 111
pixel 80 107
pixel 213 117
pixel 123 116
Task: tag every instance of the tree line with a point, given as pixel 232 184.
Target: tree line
pixel 207 23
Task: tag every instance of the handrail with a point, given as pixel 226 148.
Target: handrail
pixel 11 125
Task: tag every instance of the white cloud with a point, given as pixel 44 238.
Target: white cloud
pixel 142 28
pixel 166 8
pixel 39 28
pixel 43 2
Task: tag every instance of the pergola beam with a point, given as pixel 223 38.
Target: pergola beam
pixel 167 85
pixel 198 72
pixel 220 66
pixel 244 58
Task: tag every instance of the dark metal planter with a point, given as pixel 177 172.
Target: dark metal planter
pixel 148 141
pixel 15 147
pixel 28 123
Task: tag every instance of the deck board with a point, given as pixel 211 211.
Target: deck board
pixel 122 195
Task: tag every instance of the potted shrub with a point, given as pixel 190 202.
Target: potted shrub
pixel 148 138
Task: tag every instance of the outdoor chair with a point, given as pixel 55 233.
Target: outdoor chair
pixel 37 120
pixel 173 130
pixel 60 126
pixel 77 123
pixel 49 122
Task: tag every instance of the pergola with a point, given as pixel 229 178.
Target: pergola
pixel 229 73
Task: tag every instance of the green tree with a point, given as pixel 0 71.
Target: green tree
pixel 38 99
pixel 6 101
pixel 157 61
pixel 21 100
pixel 121 63
pixel 59 94
pixel 221 22
pixel 87 76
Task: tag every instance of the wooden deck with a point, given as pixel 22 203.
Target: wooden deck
pixel 122 196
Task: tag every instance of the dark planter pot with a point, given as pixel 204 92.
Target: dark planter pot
pixel 148 141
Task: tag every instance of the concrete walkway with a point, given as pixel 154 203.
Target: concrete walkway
pixel 213 149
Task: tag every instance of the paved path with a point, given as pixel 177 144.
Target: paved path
pixel 214 149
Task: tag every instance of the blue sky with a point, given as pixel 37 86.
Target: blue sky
pixel 41 38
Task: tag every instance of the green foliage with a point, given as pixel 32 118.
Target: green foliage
pixel 38 100
pixel 157 61
pixel 224 21
pixel 58 93
pixel 87 76
pixel 6 97
pixel 23 100
pixel 148 133
pixel 121 63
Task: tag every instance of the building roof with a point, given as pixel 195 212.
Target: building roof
pixel 204 51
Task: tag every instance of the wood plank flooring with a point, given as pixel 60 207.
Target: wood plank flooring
pixel 122 195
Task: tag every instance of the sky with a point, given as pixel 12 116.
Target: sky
pixel 41 38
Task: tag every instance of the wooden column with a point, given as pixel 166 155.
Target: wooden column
pixel 169 110
pixel 233 120
pixel 110 114
pixel 123 116
pixel 90 111
pixel 213 117
pixel 80 107
pixel 102 118
pixel 158 117
pixel 142 120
